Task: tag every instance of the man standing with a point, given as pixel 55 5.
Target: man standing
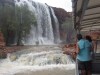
pixel 83 58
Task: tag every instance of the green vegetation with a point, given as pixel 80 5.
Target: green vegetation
pixel 68 28
pixel 15 22
pixel 67 25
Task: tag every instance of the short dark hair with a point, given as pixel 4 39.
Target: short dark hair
pixel 88 38
pixel 79 36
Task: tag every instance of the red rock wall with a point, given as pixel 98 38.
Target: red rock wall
pixel 2 42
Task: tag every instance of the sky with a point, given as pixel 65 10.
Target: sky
pixel 65 4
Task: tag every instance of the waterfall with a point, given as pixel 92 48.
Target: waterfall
pixel 55 25
pixel 46 31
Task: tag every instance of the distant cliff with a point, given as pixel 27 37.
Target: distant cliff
pixel 65 24
pixel 61 14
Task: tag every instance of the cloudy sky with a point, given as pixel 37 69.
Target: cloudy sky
pixel 65 4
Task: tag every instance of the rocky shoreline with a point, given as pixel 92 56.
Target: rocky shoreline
pixel 5 50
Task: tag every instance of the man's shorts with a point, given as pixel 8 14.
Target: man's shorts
pixel 85 65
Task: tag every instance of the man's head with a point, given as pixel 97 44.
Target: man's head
pixel 79 36
pixel 88 38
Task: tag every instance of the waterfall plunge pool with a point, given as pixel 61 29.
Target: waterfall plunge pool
pixel 38 61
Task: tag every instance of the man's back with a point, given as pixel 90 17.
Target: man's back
pixel 84 52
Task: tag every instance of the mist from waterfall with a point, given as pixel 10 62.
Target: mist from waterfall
pixel 46 31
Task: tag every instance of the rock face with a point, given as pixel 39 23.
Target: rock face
pixel 2 42
pixel 61 14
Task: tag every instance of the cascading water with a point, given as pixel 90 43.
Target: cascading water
pixel 55 25
pixel 44 32
pixel 41 60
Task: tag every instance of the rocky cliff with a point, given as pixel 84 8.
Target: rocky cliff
pixel 65 23
pixel 61 14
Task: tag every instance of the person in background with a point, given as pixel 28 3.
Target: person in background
pixel 83 58
pixel 92 46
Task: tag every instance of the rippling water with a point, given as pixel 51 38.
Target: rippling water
pixel 38 61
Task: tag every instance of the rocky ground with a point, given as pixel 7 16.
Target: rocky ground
pixel 5 50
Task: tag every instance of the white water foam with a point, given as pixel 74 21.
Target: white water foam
pixel 42 63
